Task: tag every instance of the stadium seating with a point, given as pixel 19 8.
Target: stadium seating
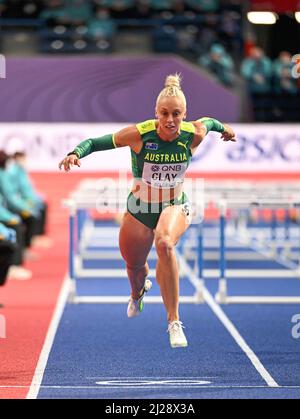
pixel 206 32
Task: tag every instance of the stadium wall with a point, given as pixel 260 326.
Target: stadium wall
pixel 105 89
pixel 261 148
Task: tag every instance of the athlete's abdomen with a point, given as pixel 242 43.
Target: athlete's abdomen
pixel 148 194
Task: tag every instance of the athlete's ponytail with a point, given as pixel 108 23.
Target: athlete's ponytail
pixel 173 80
pixel 172 88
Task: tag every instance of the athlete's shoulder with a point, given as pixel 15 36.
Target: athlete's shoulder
pixel 204 118
pixel 188 127
pixel 146 126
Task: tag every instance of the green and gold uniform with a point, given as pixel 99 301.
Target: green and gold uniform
pixel 160 164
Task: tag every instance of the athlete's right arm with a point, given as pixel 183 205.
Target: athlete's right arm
pixel 129 136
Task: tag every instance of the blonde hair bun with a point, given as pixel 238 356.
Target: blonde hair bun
pixel 172 89
pixel 173 80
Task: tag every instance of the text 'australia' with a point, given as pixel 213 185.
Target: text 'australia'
pixel 166 158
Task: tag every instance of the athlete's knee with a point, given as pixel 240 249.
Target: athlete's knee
pixel 164 245
pixel 136 266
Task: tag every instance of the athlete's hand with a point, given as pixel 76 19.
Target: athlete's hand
pixel 68 162
pixel 15 220
pixel 228 134
pixel 28 213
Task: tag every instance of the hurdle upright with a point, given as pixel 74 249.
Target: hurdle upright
pixel 222 296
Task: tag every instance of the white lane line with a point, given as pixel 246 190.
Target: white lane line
pixel 151 378
pixel 147 387
pixel 153 382
pixel 44 356
pixel 239 339
pixel 230 327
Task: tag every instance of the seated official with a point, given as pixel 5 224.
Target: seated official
pixel 7 249
pixel 15 203
pixel 24 188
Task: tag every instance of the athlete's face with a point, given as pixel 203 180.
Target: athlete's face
pixel 170 112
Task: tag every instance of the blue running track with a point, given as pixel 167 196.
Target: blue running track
pixel 99 353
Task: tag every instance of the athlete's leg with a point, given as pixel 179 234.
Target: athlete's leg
pixel 136 241
pixel 172 224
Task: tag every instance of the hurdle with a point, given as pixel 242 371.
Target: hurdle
pixel 278 246
pixel 84 199
pixel 79 229
pixel 222 295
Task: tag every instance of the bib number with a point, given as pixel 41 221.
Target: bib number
pixel 164 176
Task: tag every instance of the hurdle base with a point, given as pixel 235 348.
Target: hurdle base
pixel 199 294
pixel 221 295
pixel 258 300
pixel 72 291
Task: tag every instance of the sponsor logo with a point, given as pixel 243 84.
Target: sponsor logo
pixel 155 168
pixel 184 145
pixel 151 146
pixel 296 68
pixel 2 67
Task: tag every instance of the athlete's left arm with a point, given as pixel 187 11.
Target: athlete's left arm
pixel 204 125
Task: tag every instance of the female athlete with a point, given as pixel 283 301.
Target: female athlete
pixel 157 208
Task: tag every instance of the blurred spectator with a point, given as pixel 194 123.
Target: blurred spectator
pixel 122 5
pixel 7 249
pixel 282 70
pixel 122 9
pixel 230 32
pixel 219 63
pixel 53 12
pixel 187 38
pixel 75 25
pixel 231 5
pixel 142 9
pixel 208 6
pixel 206 38
pixel 7 234
pixel 257 71
pixel 69 12
pixel 250 42
pixel 159 5
pixel 77 12
pixel 24 188
pixel 101 26
pixel 165 39
pixel 15 203
pixel 13 222
pixel 103 3
pixel 273 89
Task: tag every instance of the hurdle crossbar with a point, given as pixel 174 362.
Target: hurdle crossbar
pixel 124 300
